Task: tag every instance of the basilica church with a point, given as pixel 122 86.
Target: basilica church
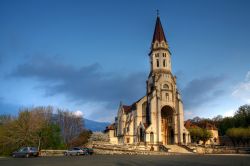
pixel 157 118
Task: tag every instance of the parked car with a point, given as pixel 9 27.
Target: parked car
pixel 88 150
pixel 26 152
pixel 75 151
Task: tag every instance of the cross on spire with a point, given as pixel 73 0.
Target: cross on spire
pixel 157 12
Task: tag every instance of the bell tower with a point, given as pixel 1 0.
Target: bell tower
pixel 160 58
pixel 164 105
pixel 159 55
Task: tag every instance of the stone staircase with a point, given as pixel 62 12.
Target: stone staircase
pixel 106 148
pixel 177 149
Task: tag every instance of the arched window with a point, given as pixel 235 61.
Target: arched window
pixel 157 62
pixel 165 86
pixel 164 62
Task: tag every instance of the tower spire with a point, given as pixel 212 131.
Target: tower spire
pixel 158 32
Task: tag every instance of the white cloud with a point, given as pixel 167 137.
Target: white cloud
pixel 188 114
pixel 78 113
pixel 248 76
pixel 242 90
pixel 229 113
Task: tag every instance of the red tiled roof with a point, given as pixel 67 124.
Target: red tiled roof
pixel 158 33
pixel 127 108
pixel 188 124
pixel 110 127
pixel 210 126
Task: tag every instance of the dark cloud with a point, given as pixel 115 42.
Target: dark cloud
pixel 86 84
pixel 90 84
pixel 200 91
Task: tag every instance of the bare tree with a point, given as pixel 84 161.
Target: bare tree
pixel 71 125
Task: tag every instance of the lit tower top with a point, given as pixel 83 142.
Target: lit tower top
pixel 160 56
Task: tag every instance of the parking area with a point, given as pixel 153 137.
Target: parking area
pixel 109 160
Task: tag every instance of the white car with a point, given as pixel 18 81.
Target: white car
pixel 74 152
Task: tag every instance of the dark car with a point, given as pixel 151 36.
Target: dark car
pixel 88 150
pixel 26 152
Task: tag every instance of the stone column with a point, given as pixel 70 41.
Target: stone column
pixel 175 129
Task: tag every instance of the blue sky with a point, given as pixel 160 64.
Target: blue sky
pixel 89 55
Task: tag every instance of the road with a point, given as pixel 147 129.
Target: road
pixel 126 160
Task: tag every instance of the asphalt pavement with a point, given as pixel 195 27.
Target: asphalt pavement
pixel 127 160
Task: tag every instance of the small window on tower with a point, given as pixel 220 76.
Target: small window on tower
pixel 157 55
pixel 167 96
pixel 164 63
pixel 157 62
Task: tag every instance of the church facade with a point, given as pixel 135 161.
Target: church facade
pixel 157 118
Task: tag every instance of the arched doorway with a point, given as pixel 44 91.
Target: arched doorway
pixel 141 135
pixel 184 138
pixel 167 128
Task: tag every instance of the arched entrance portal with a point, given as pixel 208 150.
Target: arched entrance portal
pixel 141 135
pixel 167 128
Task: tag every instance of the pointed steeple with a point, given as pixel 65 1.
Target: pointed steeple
pixel 158 33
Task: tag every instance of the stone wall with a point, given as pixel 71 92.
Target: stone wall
pixel 44 152
pixel 222 150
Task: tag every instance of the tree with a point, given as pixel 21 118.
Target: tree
pixel 225 124
pixel 239 135
pixel 32 127
pixel 205 135
pixel 51 137
pixel 5 119
pixel 242 116
pixel 82 139
pixel 195 134
pixel 99 136
pixel 71 125
pixel 198 134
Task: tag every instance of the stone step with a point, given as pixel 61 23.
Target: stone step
pixel 173 148
pixel 177 149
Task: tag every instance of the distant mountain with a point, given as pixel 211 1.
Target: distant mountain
pixel 94 125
